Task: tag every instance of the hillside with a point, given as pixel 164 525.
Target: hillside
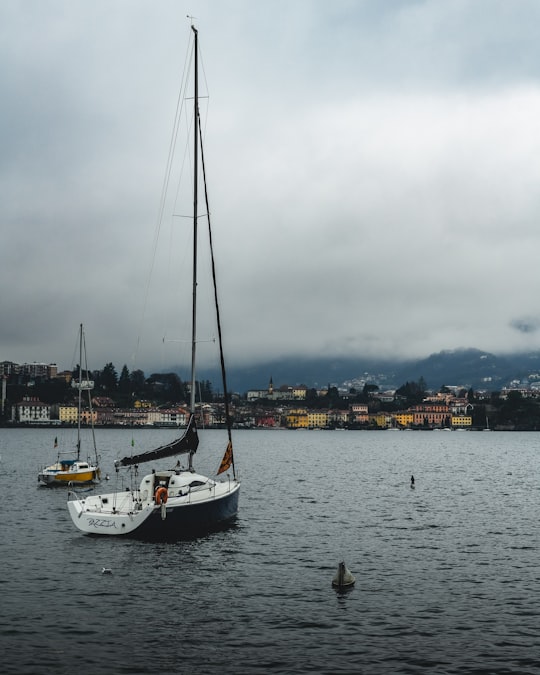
pixel 468 367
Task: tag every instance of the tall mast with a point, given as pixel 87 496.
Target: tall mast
pixel 80 392
pixel 195 214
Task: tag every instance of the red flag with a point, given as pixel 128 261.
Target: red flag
pixel 226 462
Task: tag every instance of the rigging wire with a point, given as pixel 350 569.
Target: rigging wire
pixel 90 408
pixel 183 119
pixel 165 188
pixel 218 318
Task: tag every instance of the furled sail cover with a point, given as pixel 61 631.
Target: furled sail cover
pixel 189 442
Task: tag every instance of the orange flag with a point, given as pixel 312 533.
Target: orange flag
pixel 226 462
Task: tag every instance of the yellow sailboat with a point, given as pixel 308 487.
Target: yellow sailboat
pixel 69 467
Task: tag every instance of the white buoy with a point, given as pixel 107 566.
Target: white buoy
pixel 344 578
pixel 106 570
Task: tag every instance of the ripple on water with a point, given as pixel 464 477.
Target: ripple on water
pixel 446 575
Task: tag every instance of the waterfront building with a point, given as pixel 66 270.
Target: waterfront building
pixel 174 416
pixel 404 418
pixel 105 416
pixel 317 419
pixel 460 406
pixel 380 419
pixel 88 416
pixel 431 415
pixel 461 421
pixel 267 420
pixel 31 411
pixel 359 412
pixel 297 419
pixel 68 414
pixel 129 418
pixel 338 417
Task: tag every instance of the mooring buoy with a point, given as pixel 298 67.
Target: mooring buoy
pixel 344 578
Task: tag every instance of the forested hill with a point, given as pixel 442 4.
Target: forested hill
pixel 468 367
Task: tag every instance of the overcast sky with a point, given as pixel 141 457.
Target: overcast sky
pixel 374 173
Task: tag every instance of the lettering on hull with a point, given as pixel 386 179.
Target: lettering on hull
pixel 101 523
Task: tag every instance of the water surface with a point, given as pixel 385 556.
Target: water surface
pixel 447 574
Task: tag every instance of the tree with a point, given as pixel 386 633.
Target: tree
pixel 124 382
pixel 333 397
pixel 205 391
pixel 311 396
pixel 54 391
pixel 412 392
pixel 166 387
pixel 138 382
pixel 370 389
pixel 109 378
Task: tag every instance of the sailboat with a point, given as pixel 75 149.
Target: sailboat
pixel 178 501
pixel 69 468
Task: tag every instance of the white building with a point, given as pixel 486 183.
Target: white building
pixel 31 410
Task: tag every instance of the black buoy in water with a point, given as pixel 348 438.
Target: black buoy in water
pixel 343 579
pixel 412 482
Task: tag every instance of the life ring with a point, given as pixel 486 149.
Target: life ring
pixel 161 495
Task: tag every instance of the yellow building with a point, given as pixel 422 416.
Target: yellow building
pixel 382 419
pixel 297 419
pixel 404 419
pixel 461 421
pixel 68 414
pixel 318 419
pixel 143 404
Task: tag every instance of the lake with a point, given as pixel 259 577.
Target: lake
pixel 447 574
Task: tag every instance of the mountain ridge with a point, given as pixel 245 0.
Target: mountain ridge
pixel 467 367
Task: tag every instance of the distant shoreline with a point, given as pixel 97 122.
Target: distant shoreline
pixel 48 425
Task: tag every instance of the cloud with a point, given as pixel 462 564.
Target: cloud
pixel 526 325
pixel 373 173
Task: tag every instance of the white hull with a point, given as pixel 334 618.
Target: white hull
pixel 194 502
pixel 172 503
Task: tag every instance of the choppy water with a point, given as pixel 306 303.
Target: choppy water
pixel 447 574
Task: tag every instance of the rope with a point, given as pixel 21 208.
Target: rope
pixel 216 301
